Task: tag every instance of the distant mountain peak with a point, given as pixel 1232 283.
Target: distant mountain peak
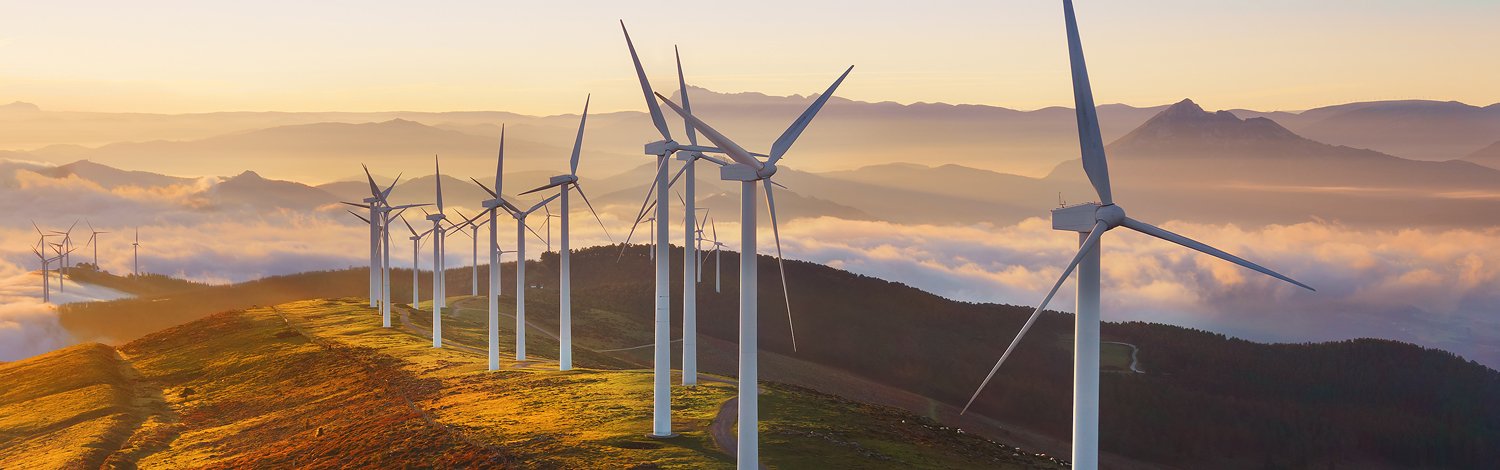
pixel 249 175
pixel 20 106
pixel 1185 125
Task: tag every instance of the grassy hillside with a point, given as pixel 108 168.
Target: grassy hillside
pixel 69 408
pixel 1293 405
pixel 318 384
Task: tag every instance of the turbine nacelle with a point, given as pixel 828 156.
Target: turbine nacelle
pixel 436 217
pixel 1082 217
pixel 743 172
pixel 563 179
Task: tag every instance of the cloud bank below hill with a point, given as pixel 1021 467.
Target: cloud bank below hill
pixel 1430 287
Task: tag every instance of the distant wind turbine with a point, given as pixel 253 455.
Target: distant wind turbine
pixel 521 230
pixel 749 171
pixel 135 249
pixel 566 183
pixel 474 237
pixel 94 241
pixel 416 257
pixel 1091 220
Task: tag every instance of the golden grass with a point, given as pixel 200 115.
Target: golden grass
pixel 320 384
pixel 65 409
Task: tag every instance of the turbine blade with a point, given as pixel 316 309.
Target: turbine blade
pixel 533 232
pixel 739 154
pixel 640 74
pixel 362 206
pixel 578 143
pixel 780 265
pixel 387 192
pixel 1163 234
pixel 1089 140
pixel 409 227
pixel 795 130
pixel 687 105
pixel 374 190
pixel 1083 248
pixel 499 164
pixel 485 188
pixel 716 160
pixel 546 186
pixel 357 215
pixel 591 211
pixel 672 183
pixel 438 174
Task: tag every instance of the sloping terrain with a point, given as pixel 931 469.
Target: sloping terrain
pixel 318 384
pixel 69 408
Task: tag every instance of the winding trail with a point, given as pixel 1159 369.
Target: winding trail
pixel 1135 362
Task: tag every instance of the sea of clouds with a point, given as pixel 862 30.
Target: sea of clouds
pixel 1433 287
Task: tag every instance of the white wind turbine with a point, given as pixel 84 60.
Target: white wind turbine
pixel 382 213
pixel 46 265
pixel 135 251
pixel 1091 221
pixel 491 206
pixel 661 390
pixel 749 171
pixel 565 183
pixel 93 240
pixel 714 232
pixel 521 230
pixel 439 288
pixel 474 238
pixel 416 258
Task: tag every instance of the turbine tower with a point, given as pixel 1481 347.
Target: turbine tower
pixel 492 205
pixel 521 230
pixel 565 183
pixel 749 171
pixel 1090 221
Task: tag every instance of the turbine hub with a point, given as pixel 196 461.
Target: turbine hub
pixel 766 171
pixel 1112 215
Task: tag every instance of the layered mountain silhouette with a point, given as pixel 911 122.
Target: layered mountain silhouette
pixel 1488 156
pixel 1182 162
pixel 1418 129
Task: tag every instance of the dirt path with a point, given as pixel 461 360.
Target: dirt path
pixel 1135 362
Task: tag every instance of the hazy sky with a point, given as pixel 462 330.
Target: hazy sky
pixel 541 57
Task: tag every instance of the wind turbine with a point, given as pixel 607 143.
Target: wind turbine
pixel 135 250
pixel 491 206
pixel 565 183
pixel 474 237
pixel 749 171
pixel 1090 221
pixel 46 278
pixel 661 389
pixel 714 229
pixel 439 289
pixel 94 240
pixel 521 230
pixel 380 221
pixel 68 245
pixel 416 257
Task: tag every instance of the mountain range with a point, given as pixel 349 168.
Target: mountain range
pixel 851 134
